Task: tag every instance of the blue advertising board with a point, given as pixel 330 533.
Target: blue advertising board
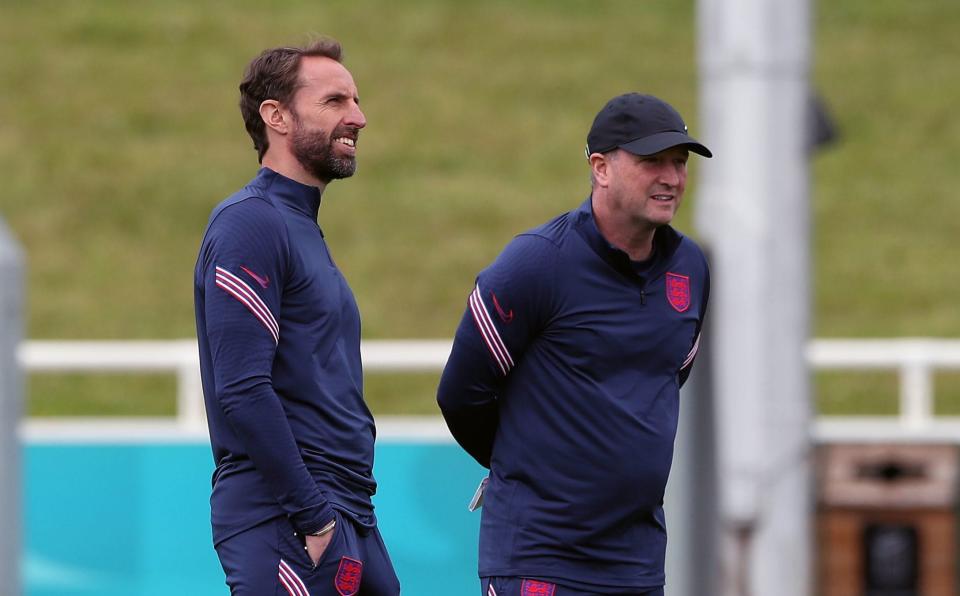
pixel 125 519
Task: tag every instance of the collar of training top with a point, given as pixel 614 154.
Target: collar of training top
pixel 301 197
pixel 666 240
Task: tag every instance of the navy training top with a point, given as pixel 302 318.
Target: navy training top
pixel 564 380
pixel 279 337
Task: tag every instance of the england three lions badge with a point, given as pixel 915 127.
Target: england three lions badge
pixel 678 291
pixel 348 576
pixel 532 587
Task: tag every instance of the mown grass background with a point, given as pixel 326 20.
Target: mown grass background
pixel 120 131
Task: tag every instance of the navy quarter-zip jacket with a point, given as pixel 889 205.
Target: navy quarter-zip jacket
pixel 564 380
pixel 279 337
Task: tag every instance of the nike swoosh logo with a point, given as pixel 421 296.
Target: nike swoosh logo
pixel 506 317
pixel 263 281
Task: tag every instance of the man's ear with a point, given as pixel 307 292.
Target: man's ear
pixel 274 117
pixel 600 168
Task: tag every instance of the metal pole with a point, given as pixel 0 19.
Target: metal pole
pixel 691 498
pixel 753 213
pixel 11 410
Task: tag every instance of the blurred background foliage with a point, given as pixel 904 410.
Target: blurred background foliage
pixel 120 132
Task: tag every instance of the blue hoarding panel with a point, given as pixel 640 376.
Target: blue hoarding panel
pixel 133 519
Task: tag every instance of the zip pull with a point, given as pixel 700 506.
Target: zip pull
pixel 643 297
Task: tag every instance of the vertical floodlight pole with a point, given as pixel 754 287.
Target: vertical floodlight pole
pixel 11 410
pixel 753 214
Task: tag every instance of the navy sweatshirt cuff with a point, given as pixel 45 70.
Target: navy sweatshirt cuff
pixel 312 519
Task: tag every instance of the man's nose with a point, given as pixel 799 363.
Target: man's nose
pixel 670 174
pixel 356 117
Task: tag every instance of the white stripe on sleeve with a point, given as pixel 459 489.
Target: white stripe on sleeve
pixel 239 289
pixel 489 332
pixel 692 354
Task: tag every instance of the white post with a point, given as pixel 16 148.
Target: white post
pixel 752 212
pixel 190 409
pixel 690 502
pixel 916 394
pixel 11 410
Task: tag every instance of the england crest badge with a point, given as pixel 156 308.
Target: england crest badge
pixel 348 576
pixel 678 291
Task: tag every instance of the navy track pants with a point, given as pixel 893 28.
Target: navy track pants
pixel 269 560
pixel 521 586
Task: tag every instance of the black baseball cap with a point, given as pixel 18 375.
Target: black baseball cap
pixel 642 125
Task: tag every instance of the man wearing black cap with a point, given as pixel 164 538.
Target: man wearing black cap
pixel 566 367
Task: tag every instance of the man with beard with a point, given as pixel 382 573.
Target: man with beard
pixel 279 336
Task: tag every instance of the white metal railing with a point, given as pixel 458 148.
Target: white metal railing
pixel 181 358
pixel 174 356
pixel 915 360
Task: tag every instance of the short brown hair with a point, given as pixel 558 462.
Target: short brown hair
pixel 274 74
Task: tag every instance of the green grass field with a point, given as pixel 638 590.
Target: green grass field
pixel 120 132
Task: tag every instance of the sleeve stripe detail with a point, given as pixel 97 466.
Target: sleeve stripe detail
pixel 234 285
pixel 241 286
pixel 489 331
pixel 237 288
pixel 291 581
pixel 692 354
